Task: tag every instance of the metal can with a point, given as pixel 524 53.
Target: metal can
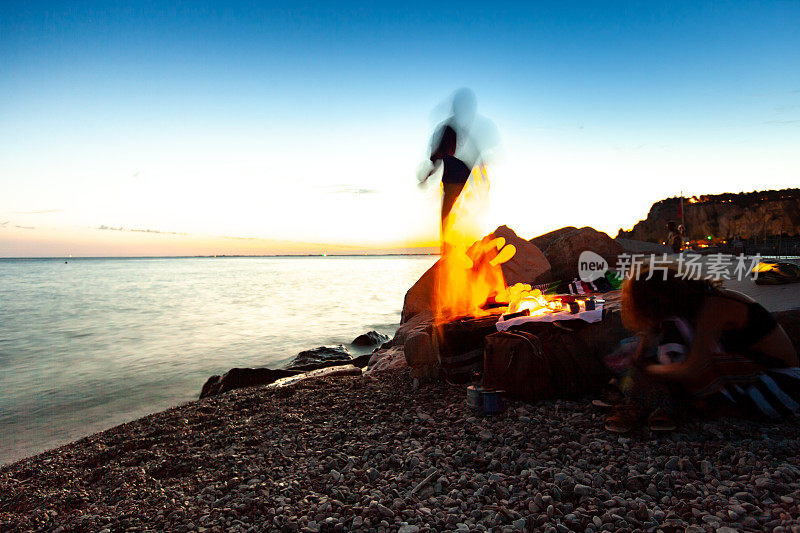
pixel 493 402
pixel 475 397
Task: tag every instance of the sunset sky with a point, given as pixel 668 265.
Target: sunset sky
pixel 271 128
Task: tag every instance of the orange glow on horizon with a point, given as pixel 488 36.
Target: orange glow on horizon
pixel 92 242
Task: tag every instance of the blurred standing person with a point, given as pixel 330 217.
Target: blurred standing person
pixel 458 145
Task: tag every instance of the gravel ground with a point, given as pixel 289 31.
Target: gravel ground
pixel 360 453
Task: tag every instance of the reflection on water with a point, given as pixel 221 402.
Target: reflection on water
pixel 96 342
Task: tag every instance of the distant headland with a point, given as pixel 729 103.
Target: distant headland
pixel 758 216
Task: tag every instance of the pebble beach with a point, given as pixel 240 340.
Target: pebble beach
pixel 384 452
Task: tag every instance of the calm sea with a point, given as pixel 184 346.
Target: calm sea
pixel 92 343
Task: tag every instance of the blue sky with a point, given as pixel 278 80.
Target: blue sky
pixel 283 123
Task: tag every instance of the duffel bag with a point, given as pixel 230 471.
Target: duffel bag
pixel 553 363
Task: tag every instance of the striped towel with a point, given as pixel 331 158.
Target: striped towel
pixel 773 392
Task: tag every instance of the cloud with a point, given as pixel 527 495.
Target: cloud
pixel 39 212
pixel 137 230
pixel 781 121
pixel 4 224
pixel 347 189
pixel 25 227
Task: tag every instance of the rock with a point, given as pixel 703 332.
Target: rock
pixel 420 349
pixel 421 354
pixel 361 360
pixel 387 359
pixel 370 338
pixel 563 247
pixel 529 264
pixel 672 463
pixel 385 511
pixel 419 298
pixel 422 321
pixel 321 354
pixel 582 490
pixel 236 378
pixel 406 528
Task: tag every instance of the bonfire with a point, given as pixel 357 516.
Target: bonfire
pixel 470 281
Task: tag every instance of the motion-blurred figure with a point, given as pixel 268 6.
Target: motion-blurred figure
pixel 460 143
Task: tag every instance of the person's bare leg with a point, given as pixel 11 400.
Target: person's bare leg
pixel 450 193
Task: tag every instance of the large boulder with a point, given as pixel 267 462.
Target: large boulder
pixel 416 336
pixel 419 297
pixel 421 322
pixel 321 354
pixel 387 359
pixel 543 241
pixel 370 338
pixel 529 265
pixel 564 246
pixel 420 349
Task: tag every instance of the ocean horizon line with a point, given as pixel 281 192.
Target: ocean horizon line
pixel 217 256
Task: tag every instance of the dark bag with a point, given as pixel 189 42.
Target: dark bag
pixel 513 362
pixel 554 362
pixel 460 346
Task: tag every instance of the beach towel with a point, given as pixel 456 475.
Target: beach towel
pixel 776 273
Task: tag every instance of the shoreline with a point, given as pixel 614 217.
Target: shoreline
pixel 380 453
pixel 775 298
pixel 384 451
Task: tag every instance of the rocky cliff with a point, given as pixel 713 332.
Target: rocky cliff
pixel 723 216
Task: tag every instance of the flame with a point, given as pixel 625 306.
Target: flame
pixel 470 279
pixel 522 296
pixel 469 273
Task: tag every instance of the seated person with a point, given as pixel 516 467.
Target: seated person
pixel 729 352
